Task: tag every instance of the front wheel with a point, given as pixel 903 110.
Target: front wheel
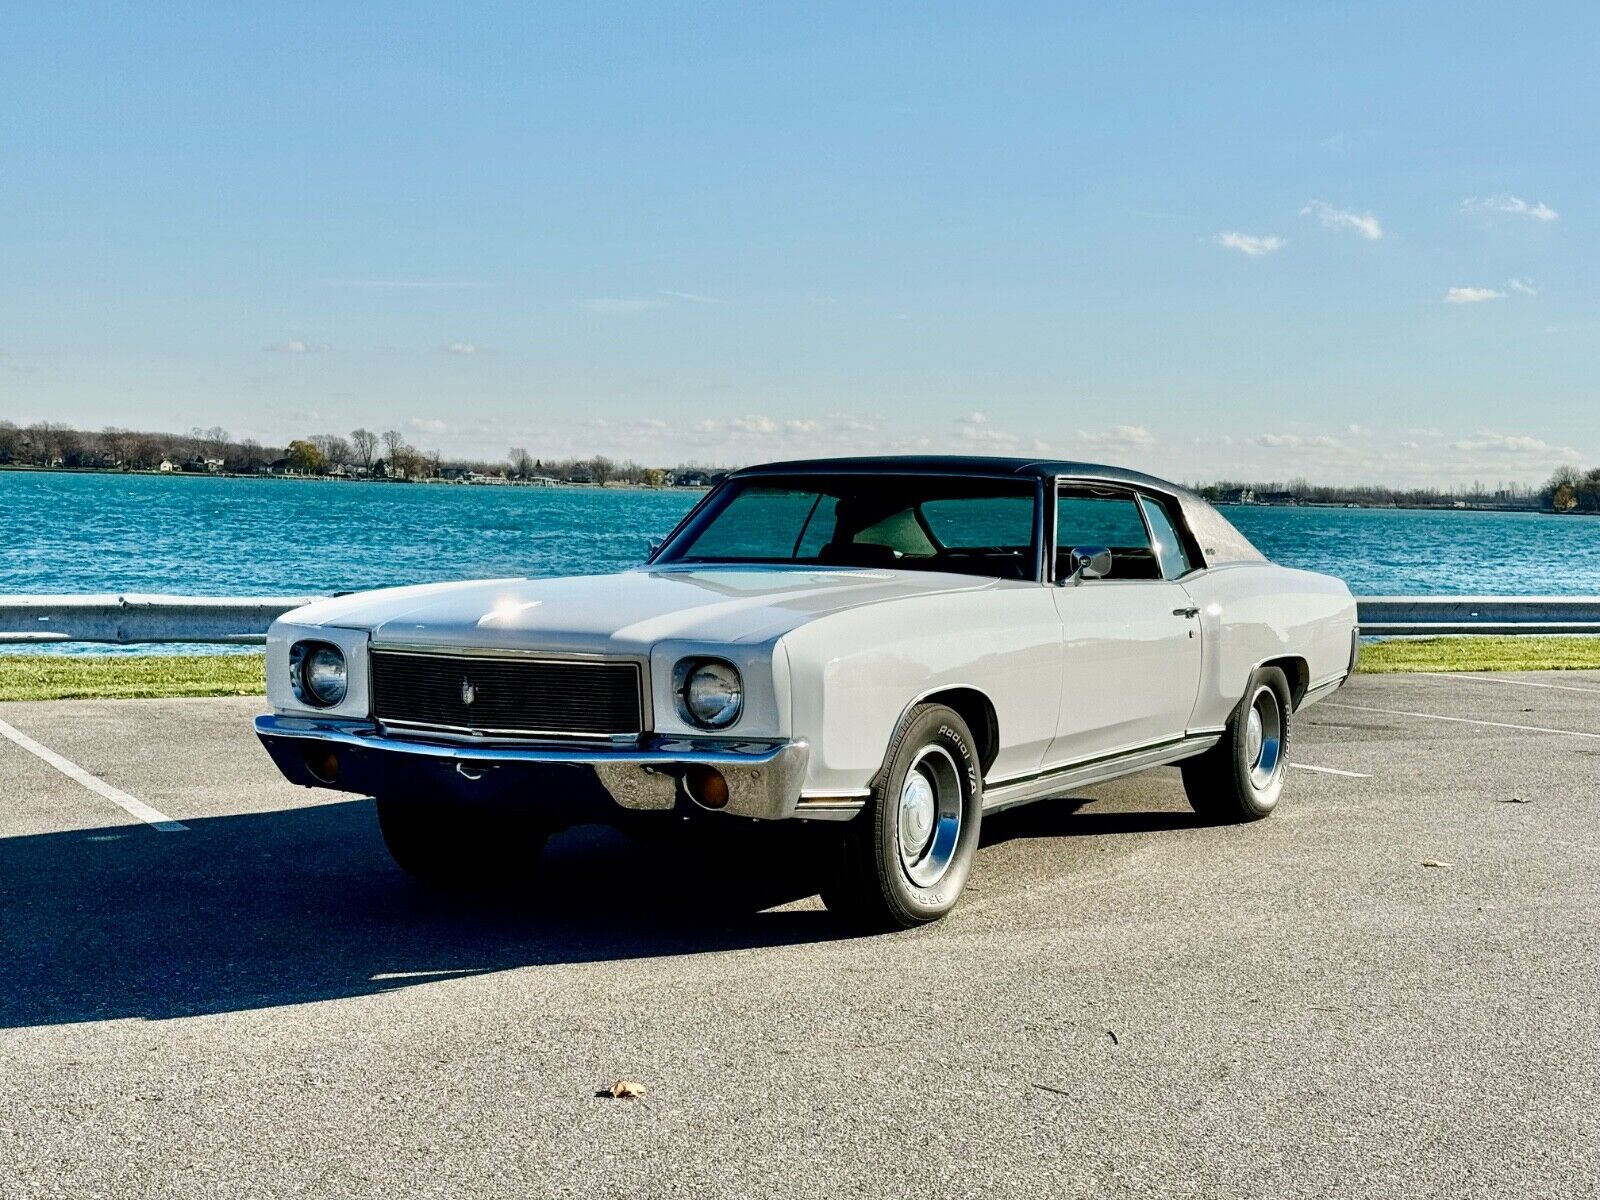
pixel 904 860
pixel 1241 777
pixel 454 846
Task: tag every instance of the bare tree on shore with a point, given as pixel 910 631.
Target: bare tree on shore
pixel 393 442
pixel 120 446
pixel 521 463
pixel 334 449
pixel 210 443
pixel 250 457
pixel 365 445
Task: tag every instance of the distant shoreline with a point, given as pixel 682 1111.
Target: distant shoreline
pixel 555 485
pixel 673 487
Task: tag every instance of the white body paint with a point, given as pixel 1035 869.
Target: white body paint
pixel 836 656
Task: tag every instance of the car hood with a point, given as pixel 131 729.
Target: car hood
pixel 627 611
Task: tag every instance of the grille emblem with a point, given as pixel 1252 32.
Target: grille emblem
pixel 468 692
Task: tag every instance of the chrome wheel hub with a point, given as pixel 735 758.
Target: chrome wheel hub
pixel 928 823
pixel 916 811
pixel 1263 738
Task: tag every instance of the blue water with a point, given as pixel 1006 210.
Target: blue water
pixel 110 533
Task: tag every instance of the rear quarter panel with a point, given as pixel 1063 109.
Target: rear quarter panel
pixel 1251 612
pixel 853 674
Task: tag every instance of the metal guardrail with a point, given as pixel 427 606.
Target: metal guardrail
pixel 243 620
pixel 126 620
pixel 1436 616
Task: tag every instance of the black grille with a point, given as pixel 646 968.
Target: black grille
pixel 509 695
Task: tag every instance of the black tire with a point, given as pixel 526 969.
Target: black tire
pixel 1241 777
pixel 904 861
pixel 453 846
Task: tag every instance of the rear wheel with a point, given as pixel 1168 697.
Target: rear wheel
pixel 454 846
pixel 904 861
pixel 1241 777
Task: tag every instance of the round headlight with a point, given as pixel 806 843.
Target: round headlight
pixel 712 693
pixel 317 671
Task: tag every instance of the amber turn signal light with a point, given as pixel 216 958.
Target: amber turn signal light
pixel 323 763
pixel 706 786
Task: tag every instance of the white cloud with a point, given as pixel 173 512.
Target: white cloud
pixel 1514 206
pixel 1279 441
pixel 1355 430
pixel 1523 287
pixel 427 425
pixel 465 348
pixel 691 297
pixel 1472 295
pixel 623 306
pixel 1124 436
pixel 1366 224
pixel 856 424
pixel 754 424
pixel 296 346
pixel 974 429
pixel 1252 244
pixel 1501 443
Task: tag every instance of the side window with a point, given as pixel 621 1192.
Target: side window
pixel 1175 561
pixel 1087 516
pixel 992 522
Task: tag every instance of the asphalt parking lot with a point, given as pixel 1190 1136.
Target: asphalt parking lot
pixel 258 1004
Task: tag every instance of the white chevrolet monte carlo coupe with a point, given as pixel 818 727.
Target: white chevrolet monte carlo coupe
pixel 896 645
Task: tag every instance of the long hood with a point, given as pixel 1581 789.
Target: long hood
pixel 626 611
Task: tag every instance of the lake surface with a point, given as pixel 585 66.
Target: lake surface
pixel 212 536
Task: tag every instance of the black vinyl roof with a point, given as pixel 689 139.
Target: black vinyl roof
pixel 962 464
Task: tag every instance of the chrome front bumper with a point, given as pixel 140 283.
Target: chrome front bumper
pixel 575 783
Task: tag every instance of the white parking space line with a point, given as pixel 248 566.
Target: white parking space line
pixel 1400 712
pixel 1329 771
pixel 129 804
pixel 1555 687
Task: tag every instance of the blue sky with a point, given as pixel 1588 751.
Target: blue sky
pixel 1350 242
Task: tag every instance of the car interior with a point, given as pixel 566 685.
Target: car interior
pixel 968 527
pixel 1108 517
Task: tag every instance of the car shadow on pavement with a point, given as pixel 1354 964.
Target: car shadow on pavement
pixel 303 904
pixel 1064 817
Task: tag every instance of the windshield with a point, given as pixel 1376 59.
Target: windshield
pixel 968 526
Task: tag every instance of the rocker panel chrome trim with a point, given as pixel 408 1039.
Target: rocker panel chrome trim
pixel 1096 770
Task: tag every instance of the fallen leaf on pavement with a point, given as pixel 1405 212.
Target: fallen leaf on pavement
pixel 1435 862
pixel 1511 800
pixel 622 1089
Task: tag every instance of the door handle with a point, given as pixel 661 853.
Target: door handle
pixel 1191 611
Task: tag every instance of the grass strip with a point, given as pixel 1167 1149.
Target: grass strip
pixel 129 676
pixel 1481 654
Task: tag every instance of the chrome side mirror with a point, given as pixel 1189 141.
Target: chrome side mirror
pixel 1088 562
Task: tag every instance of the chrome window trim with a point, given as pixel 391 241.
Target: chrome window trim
pixel 1171 502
